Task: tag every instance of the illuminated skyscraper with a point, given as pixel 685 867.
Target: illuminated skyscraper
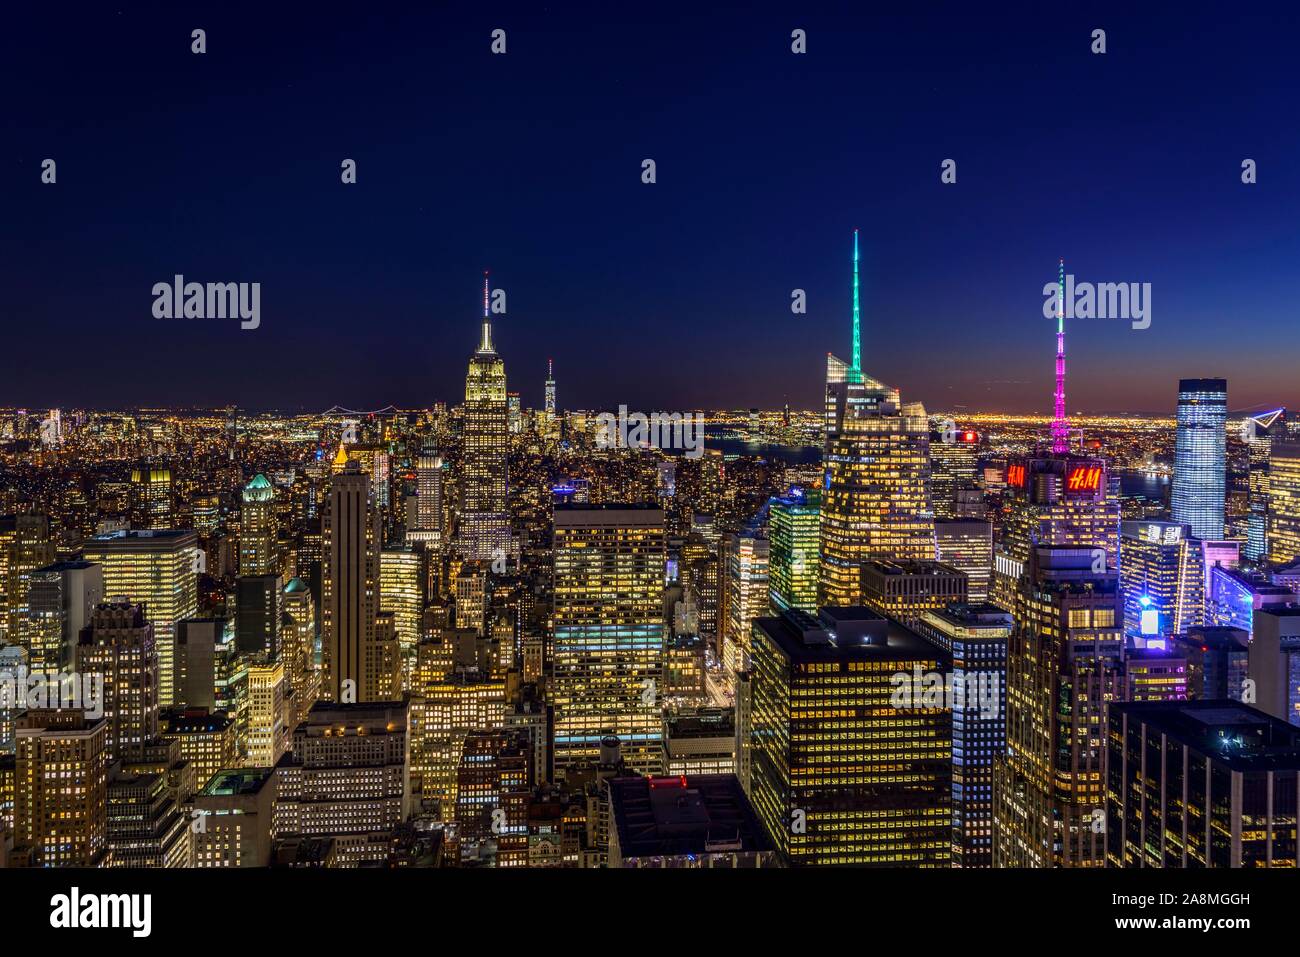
pixel 1162 577
pixel 350 588
pixel 1200 456
pixel 1259 434
pixel 484 519
pixel 428 498
pixel 119 645
pixel 794 530
pixel 61 788
pixel 609 632
pixel 976 637
pixel 840 772
pixel 954 462
pixel 61 599
pixel 257 529
pixel 967 545
pixel 25 545
pixel 151 498
pixel 1065 663
pixel 156 569
pixel 550 388
pixel 298 646
pixel 1066 501
pixel 877 488
pixel 1284 502
pixel 1200 784
pixel 402 581
pixel 747 573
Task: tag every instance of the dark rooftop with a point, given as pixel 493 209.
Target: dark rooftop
pixel 842 634
pixel 1235 734
pixel 676 816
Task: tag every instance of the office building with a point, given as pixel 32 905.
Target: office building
pixel 1065 664
pixel 1217 661
pixel 966 544
pixel 350 588
pixel 1259 433
pixel 61 599
pixel 156 569
pixel 689 821
pixel 609 632
pixel 119 645
pixel 25 545
pixel 794 533
pixel 61 789
pixel 258 529
pixel 484 527
pixel 1275 662
pixel 1162 577
pixel 746 557
pixel 905 590
pixel 1284 502
pixel 842 772
pixel 1200 456
pixel 232 819
pixel 1200 784
pixel 976 637
pixel 954 468
pixel 346 777
pixel 700 741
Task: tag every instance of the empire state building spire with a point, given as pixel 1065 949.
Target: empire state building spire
pixel 485 343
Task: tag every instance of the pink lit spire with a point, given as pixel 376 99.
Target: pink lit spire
pixel 1060 424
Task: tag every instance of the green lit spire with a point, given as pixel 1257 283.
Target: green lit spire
pixel 856 369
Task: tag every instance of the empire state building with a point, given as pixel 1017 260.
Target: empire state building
pixel 484 529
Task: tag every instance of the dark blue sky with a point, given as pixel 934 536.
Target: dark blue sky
pixel 225 167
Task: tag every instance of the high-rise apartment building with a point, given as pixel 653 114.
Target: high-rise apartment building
pixel 151 498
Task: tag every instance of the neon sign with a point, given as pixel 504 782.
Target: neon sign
pixel 1084 478
pixel 1016 475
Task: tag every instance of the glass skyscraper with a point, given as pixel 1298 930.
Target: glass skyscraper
pixel 1199 456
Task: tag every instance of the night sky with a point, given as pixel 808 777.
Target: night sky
pixel 226 167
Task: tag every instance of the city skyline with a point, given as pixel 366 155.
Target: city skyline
pixel 770 171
